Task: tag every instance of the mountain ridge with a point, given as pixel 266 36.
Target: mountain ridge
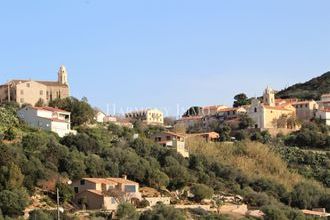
pixel 311 89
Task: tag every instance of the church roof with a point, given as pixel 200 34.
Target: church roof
pixel 46 83
pixel 52 83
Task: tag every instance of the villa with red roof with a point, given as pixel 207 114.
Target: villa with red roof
pixel 105 193
pixel 47 118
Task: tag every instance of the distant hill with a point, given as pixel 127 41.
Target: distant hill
pixel 312 89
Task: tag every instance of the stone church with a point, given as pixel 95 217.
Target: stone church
pixel 32 91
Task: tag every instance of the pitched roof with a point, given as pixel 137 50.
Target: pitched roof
pixel 213 107
pixel 172 133
pixel 211 133
pixel 52 83
pixel 101 181
pixel 230 109
pixel 122 181
pixel 97 192
pixel 47 83
pixel 302 102
pixel 50 109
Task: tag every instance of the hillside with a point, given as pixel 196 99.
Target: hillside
pixel 311 89
pixel 33 159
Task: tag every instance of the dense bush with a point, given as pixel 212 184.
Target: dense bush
pixel 163 212
pixel 127 211
pixel 81 111
pixel 40 214
pixel 309 164
pixel 311 135
pixel 306 196
pixel 201 191
pixel 12 203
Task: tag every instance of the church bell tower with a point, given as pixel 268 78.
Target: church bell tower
pixel 269 97
pixel 63 76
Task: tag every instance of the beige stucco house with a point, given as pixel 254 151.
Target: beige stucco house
pixel 149 116
pixel 231 113
pixel 31 91
pixel 105 193
pixel 172 140
pixel 207 136
pixel 305 110
pixel 47 118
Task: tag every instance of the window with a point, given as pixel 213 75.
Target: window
pixel 76 189
pixel 255 110
pixel 28 85
pixel 41 92
pixel 113 200
pixel 168 138
pixel 21 100
pixel 82 182
pixel 22 92
pixel 130 188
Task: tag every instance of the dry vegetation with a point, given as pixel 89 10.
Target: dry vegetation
pixel 253 158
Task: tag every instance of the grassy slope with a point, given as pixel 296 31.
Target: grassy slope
pixel 254 159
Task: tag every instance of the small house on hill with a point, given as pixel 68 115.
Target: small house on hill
pixel 47 118
pixel 105 193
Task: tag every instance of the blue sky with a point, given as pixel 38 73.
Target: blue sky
pixel 165 53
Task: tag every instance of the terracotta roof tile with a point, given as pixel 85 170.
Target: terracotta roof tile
pixel 122 181
pixel 97 192
pixel 101 180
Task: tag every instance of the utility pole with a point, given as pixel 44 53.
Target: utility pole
pixel 58 203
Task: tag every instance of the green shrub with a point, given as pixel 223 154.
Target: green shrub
pixel 201 192
pixel 9 134
pixel 163 212
pixel 127 211
pixel 12 203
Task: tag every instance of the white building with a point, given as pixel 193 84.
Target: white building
pixel 47 118
pixel 100 116
pixel 323 114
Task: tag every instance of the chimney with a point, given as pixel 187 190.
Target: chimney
pixel 125 177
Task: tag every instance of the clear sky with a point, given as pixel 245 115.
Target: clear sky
pixel 165 53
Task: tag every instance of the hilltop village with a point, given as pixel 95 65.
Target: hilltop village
pixel 172 147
